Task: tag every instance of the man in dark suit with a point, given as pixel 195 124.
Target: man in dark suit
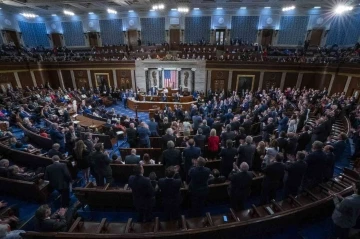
pixel 45 222
pixel 340 146
pixel 227 155
pixel 274 174
pixel 330 162
pixel 132 158
pixel 205 128
pixel 319 132
pixel 59 179
pixel 131 135
pixel 240 186
pixel 198 187
pixel 295 174
pixel 57 136
pixel 246 152
pixel 102 165
pixel 153 127
pixel 303 139
pixel 316 162
pixel 171 156
pixel 55 151
pixel 199 139
pixel 144 133
pixel 70 138
pixel 282 141
pixel 268 129
pixel 283 123
pixel 190 153
pixel 227 135
pixel 169 136
pixel 247 125
pixel 143 194
pixel 217 125
pixel 170 191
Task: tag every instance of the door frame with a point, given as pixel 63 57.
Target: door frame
pixel 247 76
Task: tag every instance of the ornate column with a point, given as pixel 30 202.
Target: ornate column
pixel 61 79
pixel 115 78
pixel 193 78
pixel 89 79
pixel 160 71
pixel 73 78
pixel 282 82
pixel 331 83
pixel 229 80
pixel 208 81
pixel 347 84
pixel 299 80
pixel 179 77
pixel 261 80
pixel 147 80
pixel 17 78
pixel 133 82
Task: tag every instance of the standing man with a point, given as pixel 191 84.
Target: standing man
pixel 143 194
pixel 170 191
pixel 190 153
pixel 295 174
pixel 131 135
pixel 102 165
pixel 144 133
pixel 153 127
pixel 59 179
pixel 57 136
pixel 198 187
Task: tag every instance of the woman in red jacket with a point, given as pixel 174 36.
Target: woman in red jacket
pixel 213 144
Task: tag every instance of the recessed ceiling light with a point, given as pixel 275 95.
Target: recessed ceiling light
pixel 317 7
pixel 28 15
pixel 131 10
pixel 173 9
pixel 91 13
pixel 267 7
pixel 69 13
pixel 196 8
pixel 111 11
pixel 243 8
pixel 219 8
pixel 54 15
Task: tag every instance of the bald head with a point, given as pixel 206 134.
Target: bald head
pixel 244 167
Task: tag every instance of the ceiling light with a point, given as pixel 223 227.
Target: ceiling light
pixel 183 9
pixel 285 9
pixel 91 13
pixel 340 9
pixel 317 7
pixel 243 8
pixel 69 13
pixel 53 15
pixel 158 6
pixel 219 8
pixel 196 8
pixel 111 11
pixel 28 15
pixel 151 10
pixel 267 7
pixel 131 10
pixel 173 9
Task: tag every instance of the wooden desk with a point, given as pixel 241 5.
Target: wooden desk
pixel 88 122
pixel 183 99
pixel 145 106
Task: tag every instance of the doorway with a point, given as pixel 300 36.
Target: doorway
pixel 132 37
pixel 174 39
pixel 93 39
pixel 316 36
pixel 266 37
pixel 56 39
pixel 220 37
pixel 11 36
pixel 218 85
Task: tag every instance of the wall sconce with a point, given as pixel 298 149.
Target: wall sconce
pixel 326 32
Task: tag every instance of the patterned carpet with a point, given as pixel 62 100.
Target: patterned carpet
pixel 119 109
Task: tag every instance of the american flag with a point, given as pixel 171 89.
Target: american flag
pixel 170 79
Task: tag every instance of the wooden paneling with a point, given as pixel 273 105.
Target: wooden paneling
pixel 8 78
pixel 174 38
pixel 325 81
pixel 271 79
pixel 236 73
pixel 339 84
pixel 40 77
pixel 67 79
pixel 123 78
pixel 81 79
pixel 290 79
pixel 219 80
pixel 110 79
pixel 315 81
pixel 25 79
pixel 316 36
pixel 132 37
pixel 53 79
pixel 353 86
pixel 56 39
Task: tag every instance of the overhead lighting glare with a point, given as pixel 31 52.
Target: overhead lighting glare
pixel 28 15
pixel 111 11
pixel 183 9
pixel 267 7
pixel 219 8
pixel 158 7
pixel 243 8
pixel 91 13
pixel 131 10
pixel 53 15
pixel 340 9
pixel 173 9
pixel 196 8
pixel 69 13
pixel 285 9
pixel 317 7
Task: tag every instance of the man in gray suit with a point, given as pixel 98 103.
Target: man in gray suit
pixel 59 179
pixel 132 158
pixel 246 152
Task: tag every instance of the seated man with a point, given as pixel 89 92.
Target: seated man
pixel 17 173
pixel 14 144
pixel 58 222
pixel 132 158
pixel 28 125
pixel 55 151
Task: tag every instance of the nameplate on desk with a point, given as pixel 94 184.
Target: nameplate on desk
pixel 76 122
pixel 75 115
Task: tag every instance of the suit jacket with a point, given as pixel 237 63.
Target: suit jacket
pixel 246 154
pixel 142 191
pixel 282 144
pixel 131 135
pixel 53 224
pixel 200 140
pixel 132 159
pixel 295 173
pixel 274 173
pixel 57 137
pixel 170 190
pixel 189 154
pixel 171 157
pixel 199 177
pixel 101 162
pixel 58 176
pixel 247 126
pixel 89 145
pixel 316 162
pixel 227 159
pixel 227 135
pixel 153 126
pixel 330 164
pixel 206 130
pixel 144 134
pixel 165 138
pixel 291 146
pixel 218 127
pixel 339 148
pixel 240 185
pixel 53 152
pixel 283 124
pixel 303 140
pixel 319 133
